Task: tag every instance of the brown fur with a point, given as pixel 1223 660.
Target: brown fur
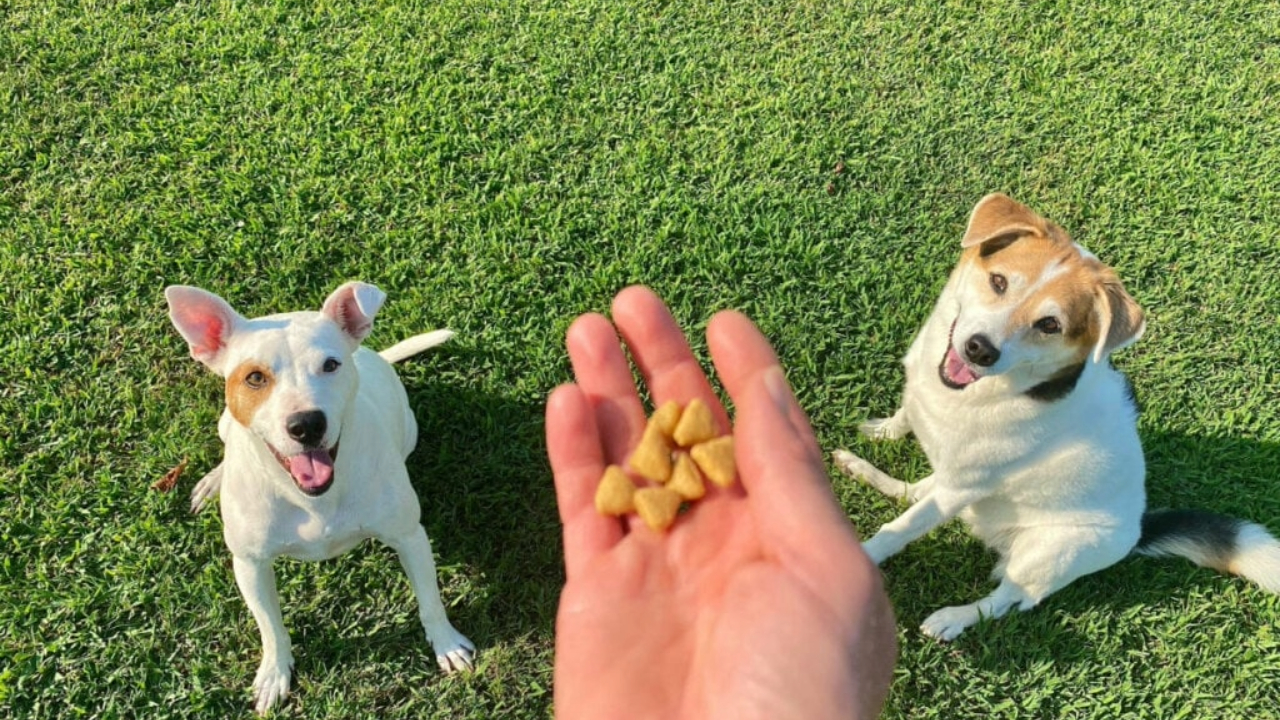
pixel 242 400
pixel 1006 237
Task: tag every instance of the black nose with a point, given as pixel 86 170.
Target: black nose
pixel 307 427
pixel 979 350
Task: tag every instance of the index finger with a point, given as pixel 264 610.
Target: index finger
pixel 577 461
pixel 604 375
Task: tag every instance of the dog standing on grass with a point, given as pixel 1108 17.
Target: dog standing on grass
pixel 1030 431
pixel 317 429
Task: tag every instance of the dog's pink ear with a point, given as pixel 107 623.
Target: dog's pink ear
pixel 998 217
pixel 352 306
pixel 204 320
pixel 1121 320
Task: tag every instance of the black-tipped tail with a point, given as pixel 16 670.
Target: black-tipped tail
pixel 1232 546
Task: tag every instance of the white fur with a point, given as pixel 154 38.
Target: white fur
pixel 1257 557
pixel 264 514
pixel 1056 488
pixel 414 345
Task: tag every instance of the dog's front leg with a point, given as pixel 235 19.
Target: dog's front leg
pixel 890 428
pixel 257 583
pixel 206 489
pixel 856 467
pixel 931 511
pixel 453 650
pixel 211 484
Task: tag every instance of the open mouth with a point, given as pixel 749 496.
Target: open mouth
pixel 954 371
pixel 311 470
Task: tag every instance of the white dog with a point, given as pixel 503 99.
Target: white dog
pixel 299 389
pixel 1031 432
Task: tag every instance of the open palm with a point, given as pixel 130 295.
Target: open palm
pixel 758 602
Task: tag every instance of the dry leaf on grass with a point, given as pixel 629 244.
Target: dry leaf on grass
pixel 170 479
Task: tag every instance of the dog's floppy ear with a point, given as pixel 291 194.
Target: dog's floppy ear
pixel 999 219
pixel 1121 321
pixel 352 306
pixel 204 320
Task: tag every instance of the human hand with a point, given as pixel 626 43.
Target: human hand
pixel 759 601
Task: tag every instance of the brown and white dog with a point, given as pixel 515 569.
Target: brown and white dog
pixel 299 388
pixel 1030 431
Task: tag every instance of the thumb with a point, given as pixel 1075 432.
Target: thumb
pixel 781 467
pixel 779 462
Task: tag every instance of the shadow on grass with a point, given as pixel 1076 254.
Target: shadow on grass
pixel 1231 476
pixel 488 504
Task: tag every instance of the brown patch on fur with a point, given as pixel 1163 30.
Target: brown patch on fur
pixel 1124 318
pixel 1006 237
pixel 998 217
pixel 1029 257
pixel 242 399
pixel 1075 290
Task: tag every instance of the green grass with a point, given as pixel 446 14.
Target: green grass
pixel 500 167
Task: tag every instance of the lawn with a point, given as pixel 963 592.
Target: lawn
pixel 500 167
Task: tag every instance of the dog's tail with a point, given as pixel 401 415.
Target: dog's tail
pixel 1233 546
pixel 408 348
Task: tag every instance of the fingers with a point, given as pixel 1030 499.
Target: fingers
pixel 662 353
pixel 741 353
pixel 779 462
pixel 799 520
pixel 577 461
pixel 603 373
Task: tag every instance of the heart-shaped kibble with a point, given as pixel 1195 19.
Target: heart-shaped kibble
pixel 666 417
pixel 678 448
pixel 615 493
pixel 685 478
pixel 715 459
pixel 658 507
pixel 652 457
pixel 696 424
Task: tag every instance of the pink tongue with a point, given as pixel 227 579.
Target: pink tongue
pixel 957 370
pixel 312 469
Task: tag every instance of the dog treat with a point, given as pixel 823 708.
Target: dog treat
pixel 678 448
pixel 685 478
pixel 696 424
pixel 666 417
pixel 657 506
pixel 715 459
pixel 652 457
pixel 615 494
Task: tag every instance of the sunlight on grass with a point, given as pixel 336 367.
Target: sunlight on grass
pixel 499 168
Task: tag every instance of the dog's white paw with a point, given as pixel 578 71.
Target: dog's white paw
pixel 890 428
pixel 271 684
pixel 454 651
pixel 947 624
pixel 852 465
pixel 206 489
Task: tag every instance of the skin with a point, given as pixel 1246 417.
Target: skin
pixel 759 602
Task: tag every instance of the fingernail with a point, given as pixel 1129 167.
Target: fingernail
pixel 775 383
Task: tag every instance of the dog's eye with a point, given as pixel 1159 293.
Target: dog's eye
pixel 256 380
pixel 1048 325
pixel 999 283
pixel 331 365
